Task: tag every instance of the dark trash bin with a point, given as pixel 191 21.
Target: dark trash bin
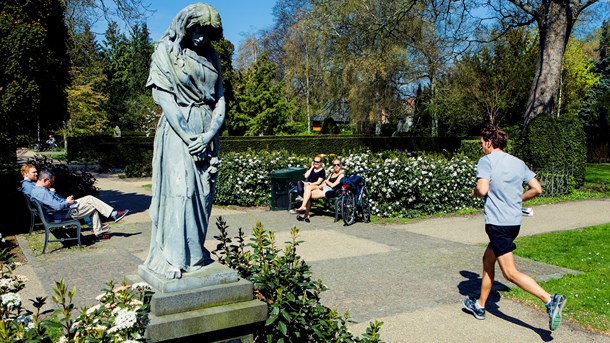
pixel 282 181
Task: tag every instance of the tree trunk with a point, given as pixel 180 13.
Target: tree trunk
pixel 554 25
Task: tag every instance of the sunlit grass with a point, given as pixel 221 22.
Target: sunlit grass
pixel 585 250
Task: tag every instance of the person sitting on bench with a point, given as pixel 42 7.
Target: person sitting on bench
pixel 30 176
pixel 62 209
pixel 315 175
pixel 328 189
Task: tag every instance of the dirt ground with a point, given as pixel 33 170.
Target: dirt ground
pixel 11 243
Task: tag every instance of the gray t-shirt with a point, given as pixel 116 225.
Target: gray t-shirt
pixel 506 175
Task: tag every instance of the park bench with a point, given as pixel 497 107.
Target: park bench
pixel 37 212
pixel 327 205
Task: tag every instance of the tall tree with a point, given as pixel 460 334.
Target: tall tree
pixel 555 20
pixel 225 50
pixel 33 68
pixel 261 108
pixel 117 64
pixel 366 47
pixel 85 93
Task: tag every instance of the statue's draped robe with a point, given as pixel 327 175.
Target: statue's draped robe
pixel 183 186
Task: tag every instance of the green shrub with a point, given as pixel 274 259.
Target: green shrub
pixel 329 126
pixel 67 181
pixel 283 281
pixel 575 146
pixel 400 186
pixel 121 315
pixel 556 143
pixel 471 148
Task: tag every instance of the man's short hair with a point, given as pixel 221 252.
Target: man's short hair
pixel 495 135
pixel 26 168
pixel 45 174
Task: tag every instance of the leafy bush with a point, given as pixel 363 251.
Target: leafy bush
pixel 67 181
pixel 283 280
pixel 556 143
pixel 401 185
pixel 244 177
pixel 121 315
pixel 329 126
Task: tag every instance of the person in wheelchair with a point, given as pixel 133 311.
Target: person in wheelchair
pixel 315 175
pixel 328 189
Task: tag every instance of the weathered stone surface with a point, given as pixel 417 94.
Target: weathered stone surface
pixel 207 320
pixel 210 275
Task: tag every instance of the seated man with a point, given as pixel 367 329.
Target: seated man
pixel 30 176
pixel 77 209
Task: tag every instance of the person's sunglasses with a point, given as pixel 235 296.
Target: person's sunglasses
pixel 316 161
pixel 337 164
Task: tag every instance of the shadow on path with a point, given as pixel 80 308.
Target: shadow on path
pixel 135 202
pixel 472 287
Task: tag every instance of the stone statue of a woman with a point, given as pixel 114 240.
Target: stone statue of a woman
pixel 186 82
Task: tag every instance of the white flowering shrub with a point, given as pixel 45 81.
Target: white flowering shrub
pixel 244 177
pixel 121 315
pixel 399 185
pixel 404 186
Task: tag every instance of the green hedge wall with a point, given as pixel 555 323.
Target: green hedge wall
pixel 556 143
pixel 134 153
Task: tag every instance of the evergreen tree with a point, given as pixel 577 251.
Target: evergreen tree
pixel 117 64
pixel 33 69
pixel 225 50
pixel 594 110
pixel 261 108
pixel 85 93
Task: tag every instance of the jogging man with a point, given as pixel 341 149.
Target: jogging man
pixel 500 179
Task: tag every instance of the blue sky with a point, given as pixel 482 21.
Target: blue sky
pixel 239 17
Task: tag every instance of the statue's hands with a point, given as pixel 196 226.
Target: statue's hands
pixel 199 143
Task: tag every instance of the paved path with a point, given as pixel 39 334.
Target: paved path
pixel 412 277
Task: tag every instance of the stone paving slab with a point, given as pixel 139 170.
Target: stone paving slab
pixel 411 276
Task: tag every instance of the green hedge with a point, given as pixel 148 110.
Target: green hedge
pixel 556 143
pixel 134 153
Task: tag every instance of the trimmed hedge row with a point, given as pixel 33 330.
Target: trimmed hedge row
pixel 134 153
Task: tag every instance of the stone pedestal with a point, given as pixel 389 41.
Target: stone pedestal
pixel 211 304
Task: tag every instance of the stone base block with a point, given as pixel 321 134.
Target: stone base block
pixel 211 305
pixel 212 274
pixel 207 324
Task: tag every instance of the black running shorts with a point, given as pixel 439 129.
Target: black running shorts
pixel 501 238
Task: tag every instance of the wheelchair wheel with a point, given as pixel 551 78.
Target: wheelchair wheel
pixel 365 207
pixel 348 208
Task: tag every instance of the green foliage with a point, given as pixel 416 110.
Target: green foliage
pixel 260 108
pixel 67 181
pixel 283 281
pixel 585 250
pixel 33 68
pixel 121 315
pixel 225 49
pixel 401 186
pixel 471 148
pixel 556 143
pixel 85 94
pixel 127 62
pixel 578 78
pixel 488 84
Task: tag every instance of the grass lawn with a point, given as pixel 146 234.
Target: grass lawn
pixel 586 250
pixel 598 173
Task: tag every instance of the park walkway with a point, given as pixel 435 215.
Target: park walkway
pixel 412 277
